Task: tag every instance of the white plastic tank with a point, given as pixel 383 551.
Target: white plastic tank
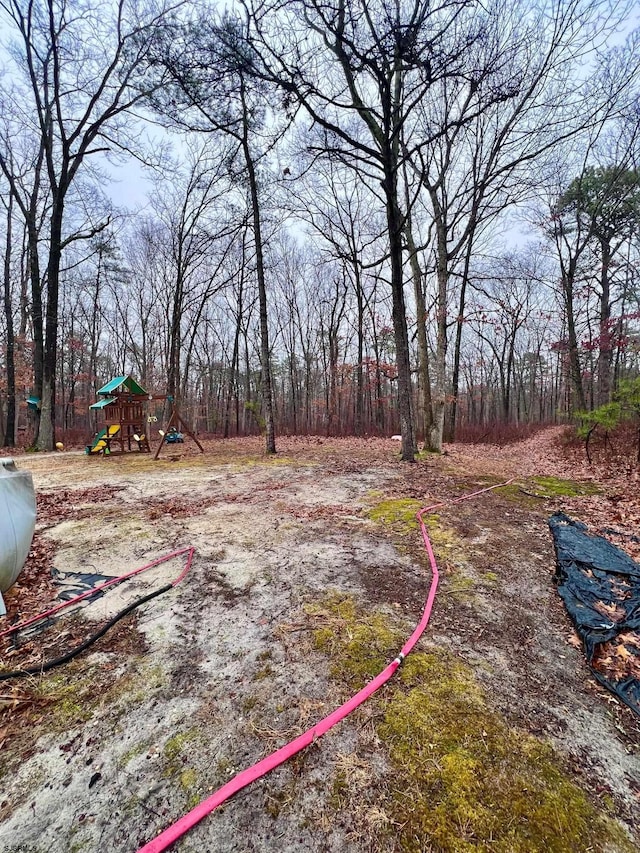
pixel 17 522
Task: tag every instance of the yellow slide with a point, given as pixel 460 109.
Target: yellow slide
pixel 101 442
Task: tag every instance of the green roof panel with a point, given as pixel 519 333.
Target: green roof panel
pixel 102 403
pixel 111 386
pixel 129 383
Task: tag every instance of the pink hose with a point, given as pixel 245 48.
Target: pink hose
pixel 20 625
pixel 261 768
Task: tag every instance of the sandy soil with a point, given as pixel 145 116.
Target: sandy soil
pixel 102 754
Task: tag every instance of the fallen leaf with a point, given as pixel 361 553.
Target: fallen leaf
pixel 574 640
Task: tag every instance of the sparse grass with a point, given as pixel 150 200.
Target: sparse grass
pixel 462 779
pixel 445 540
pixel 400 516
pixel 187 777
pixel 264 672
pixel 133 688
pixel 461 588
pixel 249 704
pixel 69 698
pixel 279 800
pixel 60 702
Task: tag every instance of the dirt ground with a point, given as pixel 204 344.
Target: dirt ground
pixel 104 752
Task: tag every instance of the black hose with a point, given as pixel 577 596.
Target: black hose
pixel 45 667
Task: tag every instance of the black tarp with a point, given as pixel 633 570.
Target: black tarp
pixel 600 586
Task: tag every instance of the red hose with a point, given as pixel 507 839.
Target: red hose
pixel 118 579
pixel 166 838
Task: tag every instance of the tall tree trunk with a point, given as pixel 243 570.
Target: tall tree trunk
pixel 332 395
pixel 398 312
pixel 575 368
pixel 267 389
pixel 442 272
pixel 46 433
pixel 605 337
pixel 359 403
pixel 450 427
pixel 10 426
pixel 36 316
pixel 232 390
pixel 424 382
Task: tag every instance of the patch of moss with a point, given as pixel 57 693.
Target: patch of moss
pixel 174 748
pixel 224 767
pixel 444 539
pixel 527 491
pixel 400 513
pixel 463 781
pixel 461 588
pixel 423 454
pixel 134 687
pixel 514 492
pixel 553 487
pixel 72 699
pixel 360 648
pixel 63 700
pixel 188 779
pixel 133 752
pixel 276 802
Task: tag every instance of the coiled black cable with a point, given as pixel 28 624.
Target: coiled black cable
pixel 65 658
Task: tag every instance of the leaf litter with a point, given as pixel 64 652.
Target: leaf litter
pixel 232 652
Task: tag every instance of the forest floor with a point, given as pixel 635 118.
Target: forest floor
pixel 308 574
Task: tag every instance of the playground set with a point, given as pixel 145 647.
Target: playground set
pixel 122 402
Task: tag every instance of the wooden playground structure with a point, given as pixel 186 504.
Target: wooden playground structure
pixel 122 402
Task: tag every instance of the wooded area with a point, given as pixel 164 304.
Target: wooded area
pixel 362 217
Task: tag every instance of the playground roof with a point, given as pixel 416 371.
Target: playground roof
pixel 129 383
pixel 102 403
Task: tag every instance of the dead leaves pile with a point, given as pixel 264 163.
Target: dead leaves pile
pixel 620 659
pixel 35 589
pixel 63 504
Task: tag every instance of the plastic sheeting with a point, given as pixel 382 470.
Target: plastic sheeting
pixel 600 586
pixel 17 522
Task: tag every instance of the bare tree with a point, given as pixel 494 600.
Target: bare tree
pixel 212 91
pixel 521 100
pixel 338 207
pixel 81 69
pixel 360 70
pixel 10 425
